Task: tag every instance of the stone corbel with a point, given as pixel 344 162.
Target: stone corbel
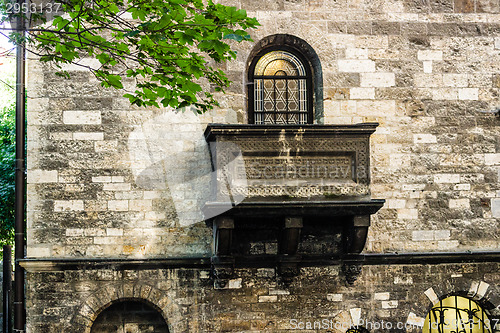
pixel 352 269
pixel 356 234
pixel 288 246
pixel 355 240
pixel 223 260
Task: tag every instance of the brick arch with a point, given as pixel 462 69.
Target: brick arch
pixel 111 294
pixel 486 295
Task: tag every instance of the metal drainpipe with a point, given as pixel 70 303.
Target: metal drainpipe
pixel 7 288
pixel 19 306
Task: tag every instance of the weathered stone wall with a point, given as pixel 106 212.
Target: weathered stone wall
pixel 109 180
pixel 70 301
pixel 424 70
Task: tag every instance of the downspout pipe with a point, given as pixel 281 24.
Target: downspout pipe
pixel 7 288
pixel 20 176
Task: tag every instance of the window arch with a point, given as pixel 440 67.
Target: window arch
pixel 457 314
pixel 285 82
pixel 130 315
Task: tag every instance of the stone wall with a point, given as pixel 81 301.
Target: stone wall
pixel 256 301
pixel 109 180
pixel 426 71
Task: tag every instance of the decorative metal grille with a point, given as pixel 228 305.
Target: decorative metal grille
pixel 357 330
pixel 280 93
pixel 457 314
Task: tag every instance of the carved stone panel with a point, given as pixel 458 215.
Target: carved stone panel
pixel 305 161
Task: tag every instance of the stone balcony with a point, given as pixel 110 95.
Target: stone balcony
pixel 289 194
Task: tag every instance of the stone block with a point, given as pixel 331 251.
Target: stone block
pixel 96 136
pixel 362 93
pixel 408 214
pixel 68 205
pixel 235 284
pixel 459 204
pixel 114 232
pixel 356 66
pixel 427 64
pixel 455 80
pixel 447 178
pixel 274 291
pixel 414 320
pixel 378 80
pixel 422 235
pixel 492 159
pixel 462 187
pixel 116 187
pixel 37 176
pixel 117 179
pixel 269 299
pixel 355 53
pixel 495 208
pixel 101 179
pixel 435 55
pixel 372 42
pixel 118 205
pixel 385 296
pixel 82 117
pixel 334 297
pixel 428 80
pixel 424 138
pixel 448 245
pixel 442 234
pixel 390 304
pixel 464 6
pixel 396 203
pixel 468 94
pixel 107 240
pixel 446 94
pixel 487 6
pixel 74 232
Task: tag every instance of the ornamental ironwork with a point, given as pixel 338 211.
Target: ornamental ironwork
pixel 281 89
pixel 456 314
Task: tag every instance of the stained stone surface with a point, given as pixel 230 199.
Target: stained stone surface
pixel 106 179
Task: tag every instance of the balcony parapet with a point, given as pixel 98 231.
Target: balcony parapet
pixel 286 182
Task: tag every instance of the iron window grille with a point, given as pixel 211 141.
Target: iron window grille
pixel 281 89
pixel 456 314
pixel 357 330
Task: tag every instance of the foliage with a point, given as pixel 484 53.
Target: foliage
pixel 167 46
pixel 7 155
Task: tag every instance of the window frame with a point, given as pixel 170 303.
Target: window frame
pixel 309 82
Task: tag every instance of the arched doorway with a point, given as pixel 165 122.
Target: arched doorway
pixel 130 316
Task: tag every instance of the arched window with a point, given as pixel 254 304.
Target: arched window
pixel 457 314
pixel 282 89
pixel 129 316
pixel 285 82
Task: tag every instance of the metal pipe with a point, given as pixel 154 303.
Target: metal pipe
pixel 19 307
pixel 7 288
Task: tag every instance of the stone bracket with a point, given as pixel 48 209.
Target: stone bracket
pixel 288 243
pixel 223 260
pixel 355 234
pixel 351 267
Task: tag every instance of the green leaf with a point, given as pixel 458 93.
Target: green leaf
pixel 167 47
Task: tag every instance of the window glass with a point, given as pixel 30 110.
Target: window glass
pixel 280 89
